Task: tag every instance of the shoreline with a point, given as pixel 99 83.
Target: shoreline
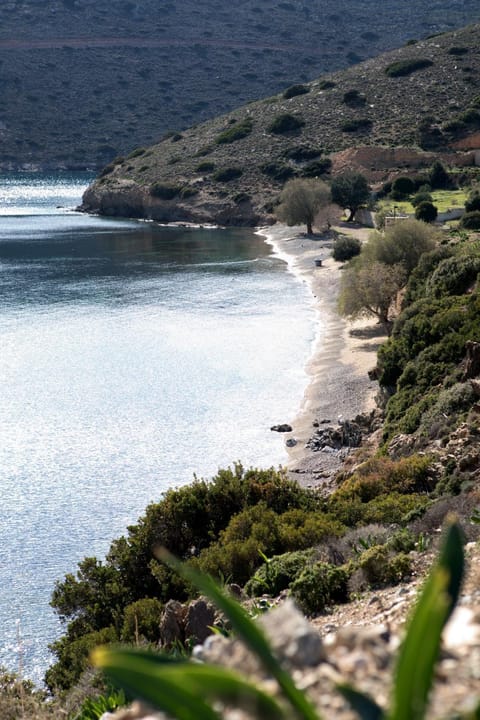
pixel 343 352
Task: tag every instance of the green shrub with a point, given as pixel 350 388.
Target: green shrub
pixel 278 171
pixel 316 168
pixel 346 247
pixel 299 153
pixel 295 90
pixel 73 658
pixel 426 211
pixel 320 585
pixel 438 176
pixel 164 191
pixel 279 572
pixel 326 84
pixel 403 186
pixel 471 220
pixel 285 123
pixel 205 166
pixel 227 174
pixel 236 132
pixel 421 197
pixel 141 621
pixel 401 68
pixel 357 124
pixel 472 204
pixel 136 153
pixel 380 567
pixel 457 50
pixel 300 529
pixel 353 98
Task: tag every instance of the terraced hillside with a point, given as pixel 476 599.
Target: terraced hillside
pixel 401 109
pixel 85 80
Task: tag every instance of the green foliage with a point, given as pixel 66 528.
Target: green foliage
pixel 301 200
pixel 472 204
pixel 295 90
pixel 350 190
pixel 438 176
pixel 426 212
pixel 403 243
pixel 326 84
pixel 136 153
pixel 205 166
pixel 320 585
pixel 19 699
pixel 316 168
pixel 278 573
pixel 227 174
pixel 369 288
pixel 164 191
pixel 141 621
pixel 401 68
pixel 189 691
pixel 285 123
pixel 403 186
pixel 346 247
pixel 278 171
pixel 380 567
pixel 95 708
pixel 237 131
pixel 356 125
pixel 421 196
pixel 471 220
pixel 457 50
pixel 353 98
pixel 300 153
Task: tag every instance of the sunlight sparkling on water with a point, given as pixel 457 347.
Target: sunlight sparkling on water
pixel 131 357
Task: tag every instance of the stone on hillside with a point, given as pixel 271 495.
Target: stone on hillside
pixel 292 637
pixel 172 624
pixel 200 618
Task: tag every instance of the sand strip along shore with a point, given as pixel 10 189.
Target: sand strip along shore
pixel 344 352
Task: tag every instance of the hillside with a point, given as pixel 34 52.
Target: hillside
pixel 84 81
pixel 421 99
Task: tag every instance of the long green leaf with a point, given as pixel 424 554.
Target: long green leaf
pixel 364 706
pixel 137 678
pixel 204 681
pixel 419 652
pixel 248 631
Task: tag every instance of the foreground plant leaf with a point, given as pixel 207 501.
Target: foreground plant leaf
pixel 364 706
pixel 419 652
pixel 182 688
pixel 250 633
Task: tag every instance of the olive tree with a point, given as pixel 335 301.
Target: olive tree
pixel 350 190
pixel 369 289
pixel 404 242
pixel 301 200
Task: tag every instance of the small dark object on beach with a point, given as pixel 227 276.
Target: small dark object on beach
pixel 281 428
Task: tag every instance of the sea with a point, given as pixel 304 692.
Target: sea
pixel 132 357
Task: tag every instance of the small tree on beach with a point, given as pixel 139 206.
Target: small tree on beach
pixel 301 200
pixel 370 289
pixel 350 190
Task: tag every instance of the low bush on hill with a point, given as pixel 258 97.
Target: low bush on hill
pixel 403 68
pixel 356 125
pixel 237 131
pixel 300 153
pixel 285 123
pixel 227 174
pixel 316 168
pixel 471 220
pixel 278 171
pixel 165 191
pixel 345 247
pixel 295 90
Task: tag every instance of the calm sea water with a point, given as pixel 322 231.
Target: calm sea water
pixel 131 356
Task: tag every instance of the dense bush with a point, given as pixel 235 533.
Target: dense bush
pixel 165 191
pixel 295 90
pixel 300 153
pixel 205 166
pixel 279 572
pixel 353 98
pixel 141 621
pixel 426 211
pixel 356 124
pixel 278 171
pixel 316 168
pixel 345 247
pixel 438 176
pixel 285 123
pixel 472 204
pixel 402 186
pixel 401 68
pixel 471 220
pixel 320 585
pixel 381 567
pixel 420 197
pixel 237 131
pixel 227 174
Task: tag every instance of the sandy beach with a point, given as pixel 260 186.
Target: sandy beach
pixel 339 387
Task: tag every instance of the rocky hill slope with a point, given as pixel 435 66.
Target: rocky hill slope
pixel 423 96
pixel 83 81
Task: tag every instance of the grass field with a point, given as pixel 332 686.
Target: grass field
pixel 443 199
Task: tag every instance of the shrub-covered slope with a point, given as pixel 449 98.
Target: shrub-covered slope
pixel 85 80
pixel 230 170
